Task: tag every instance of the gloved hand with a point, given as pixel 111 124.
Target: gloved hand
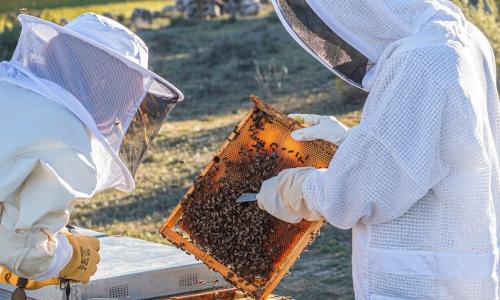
pixel 281 196
pixel 83 263
pixel 325 128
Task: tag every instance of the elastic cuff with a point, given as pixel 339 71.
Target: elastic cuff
pixel 307 190
pixel 62 256
pixel 344 136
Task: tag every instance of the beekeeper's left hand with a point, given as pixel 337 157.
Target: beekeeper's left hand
pixel 326 128
pixel 83 263
pixel 281 196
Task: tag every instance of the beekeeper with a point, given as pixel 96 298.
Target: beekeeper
pixel 78 107
pixel 417 180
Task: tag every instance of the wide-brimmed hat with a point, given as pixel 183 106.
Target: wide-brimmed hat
pixel 98 69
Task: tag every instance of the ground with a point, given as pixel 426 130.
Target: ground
pixel 218 64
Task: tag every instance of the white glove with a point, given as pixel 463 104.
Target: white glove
pixel 325 128
pixel 281 196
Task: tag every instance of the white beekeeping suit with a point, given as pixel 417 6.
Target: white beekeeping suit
pixel 418 179
pixel 78 109
pixel 43 147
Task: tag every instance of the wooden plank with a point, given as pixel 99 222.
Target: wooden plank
pixel 222 294
pixel 172 219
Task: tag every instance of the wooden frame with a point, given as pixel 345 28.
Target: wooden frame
pixel 260 292
pixel 227 294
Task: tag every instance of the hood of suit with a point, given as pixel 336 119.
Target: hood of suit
pixel 349 37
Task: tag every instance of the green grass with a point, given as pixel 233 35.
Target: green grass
pixel 123 9
pixel 56 11
pixel 10 6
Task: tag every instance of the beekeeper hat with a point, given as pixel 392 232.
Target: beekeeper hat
pixel 326 45
pixel 112 35
pixel 98 69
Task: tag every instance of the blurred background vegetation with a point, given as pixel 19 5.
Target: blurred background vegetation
pixel 218 63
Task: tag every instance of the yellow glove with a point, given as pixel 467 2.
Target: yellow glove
pixel 281 196
pixel 83 263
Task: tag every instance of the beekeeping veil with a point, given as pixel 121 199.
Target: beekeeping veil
pixel 315 36
pixel 348 37
pixel 98 70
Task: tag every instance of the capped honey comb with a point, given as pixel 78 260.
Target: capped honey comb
pixel 250 248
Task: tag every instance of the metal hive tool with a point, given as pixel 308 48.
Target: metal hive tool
pixel 260 144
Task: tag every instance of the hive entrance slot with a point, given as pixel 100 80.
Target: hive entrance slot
pixel 188 280
pixel 118 291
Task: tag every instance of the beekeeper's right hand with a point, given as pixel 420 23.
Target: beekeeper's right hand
pixel 282 196
pixel 83 263
pixel 326 128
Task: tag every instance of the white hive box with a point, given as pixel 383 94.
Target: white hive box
pixel 135 269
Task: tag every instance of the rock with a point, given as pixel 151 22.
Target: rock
pixel 169 9
pixel 205 9
pixel 141 14
pixel 158 14
pixel 109 15
pixel 249 7
pixel 250 10
pixel 200 9
pixel 241 7
pixel 181 5
pixel 121 18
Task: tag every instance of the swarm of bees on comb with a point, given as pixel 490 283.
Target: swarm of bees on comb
pixel 235 233
pixel 252 249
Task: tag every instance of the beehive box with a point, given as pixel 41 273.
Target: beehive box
pixel 249 247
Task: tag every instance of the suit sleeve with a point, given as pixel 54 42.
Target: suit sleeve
pixel 48 185
pixel 393 158
pixel 45 166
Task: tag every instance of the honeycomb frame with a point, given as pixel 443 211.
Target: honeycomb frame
pixel 260 290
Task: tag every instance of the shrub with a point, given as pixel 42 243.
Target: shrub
pixel 8 40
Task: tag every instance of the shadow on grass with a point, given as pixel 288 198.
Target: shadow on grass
pixel 218 64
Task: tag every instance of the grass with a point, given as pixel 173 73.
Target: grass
pixel 218 64
pixel 123 9
pixel 59 10
pixel 56 11
pixel 9 6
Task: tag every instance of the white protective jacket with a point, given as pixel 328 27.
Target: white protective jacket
pixel 68 98
pixel 45 162
pixel 418 179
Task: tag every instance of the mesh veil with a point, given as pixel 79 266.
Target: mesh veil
pixel 321 41
pixel 109 93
